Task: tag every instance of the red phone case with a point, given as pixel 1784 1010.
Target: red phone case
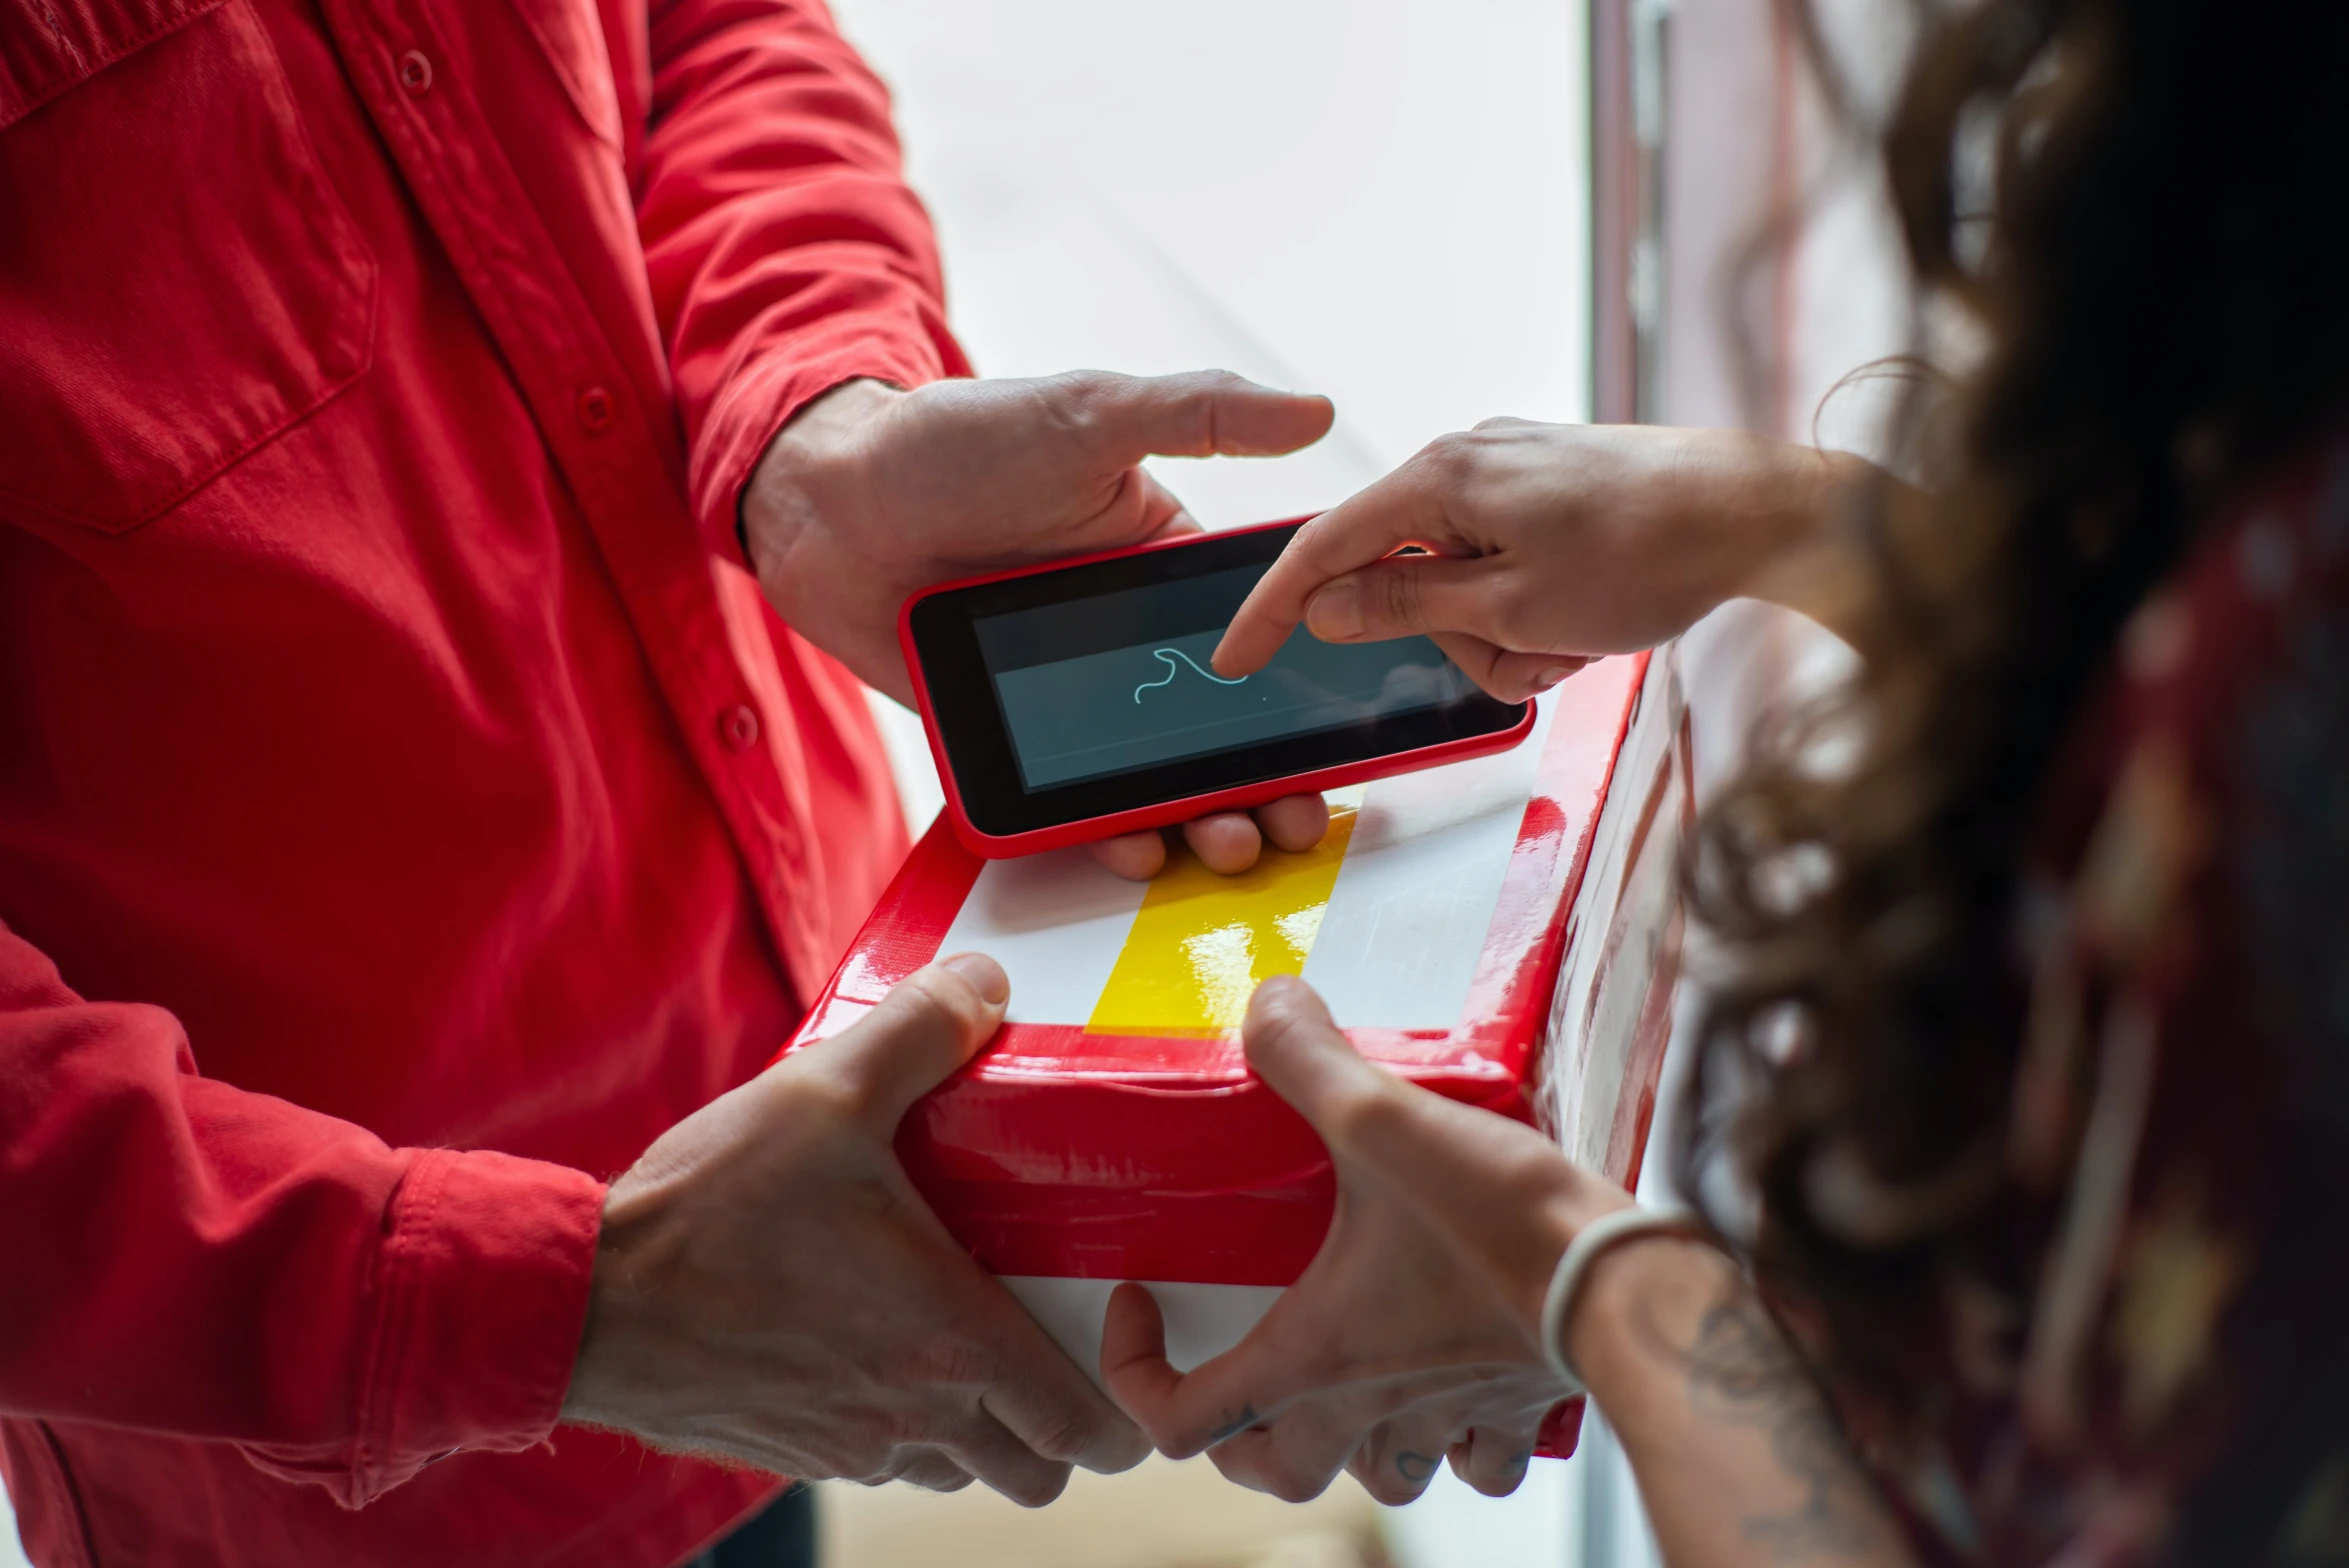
pixel 995 846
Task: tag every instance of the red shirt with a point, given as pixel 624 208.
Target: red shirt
pixel 408 807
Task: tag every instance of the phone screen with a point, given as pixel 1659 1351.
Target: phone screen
pixel 1122 681
pixel 1084 691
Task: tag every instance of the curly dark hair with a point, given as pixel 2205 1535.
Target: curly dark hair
pixel 2157 262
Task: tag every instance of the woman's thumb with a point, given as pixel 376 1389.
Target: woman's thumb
pixel 1297 1049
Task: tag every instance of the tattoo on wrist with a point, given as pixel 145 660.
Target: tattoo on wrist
pixel 1741 1371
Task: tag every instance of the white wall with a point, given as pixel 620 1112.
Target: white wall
pixel 1375 199
pixel 11 1554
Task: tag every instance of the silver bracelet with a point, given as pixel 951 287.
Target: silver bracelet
pixel 1593 1240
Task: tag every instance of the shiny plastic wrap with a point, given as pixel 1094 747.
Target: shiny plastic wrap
pixel 1503 931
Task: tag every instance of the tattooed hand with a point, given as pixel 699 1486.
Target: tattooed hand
pixel 1412 1337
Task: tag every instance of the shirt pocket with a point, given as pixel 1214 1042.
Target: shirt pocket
pixel 178 281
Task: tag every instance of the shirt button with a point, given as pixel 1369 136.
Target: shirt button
pixel 739 726
pixel 595 410
pixel 415 73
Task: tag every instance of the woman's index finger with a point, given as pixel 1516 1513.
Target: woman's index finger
pixel 1366 527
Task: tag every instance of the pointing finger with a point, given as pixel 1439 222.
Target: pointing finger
pixel 1404 508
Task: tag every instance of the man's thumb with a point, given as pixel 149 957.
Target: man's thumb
pixel 1200 413
pixel 931 1023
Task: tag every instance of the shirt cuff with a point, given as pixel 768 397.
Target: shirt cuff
pixel 764 394
pixel 486 1266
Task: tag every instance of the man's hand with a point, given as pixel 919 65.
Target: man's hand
pixel 769 1289
pixel 1413 1335
pixel 1549 545
pixel 870 494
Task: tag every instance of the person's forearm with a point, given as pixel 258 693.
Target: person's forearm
pixel 1815 565
pixel 784 251
pixel 1738 1459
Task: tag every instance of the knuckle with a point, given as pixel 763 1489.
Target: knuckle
pixel 1449 457
pixel 1282 1024
pixel 1074 400
pixel 1078 388
pixel 935 1473
pixel 955 1363
pixel 1291 1485
pixel 1397 591
pixel 1063 1438
pixel 1515 621
pixel 938 995
pixel 1367 1115
pixel 906 1433
pixel 827 1092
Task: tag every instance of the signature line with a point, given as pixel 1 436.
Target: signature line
pixel 1167 657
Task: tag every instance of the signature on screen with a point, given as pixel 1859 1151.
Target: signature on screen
pixel 1168 657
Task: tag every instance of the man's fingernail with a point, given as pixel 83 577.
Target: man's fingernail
pixel 1553 675
pixel 1335 613
pixel 984 974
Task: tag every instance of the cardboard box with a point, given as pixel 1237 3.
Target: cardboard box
pixel 1503 931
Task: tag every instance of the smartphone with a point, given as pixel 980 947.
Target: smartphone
pixel 1075 701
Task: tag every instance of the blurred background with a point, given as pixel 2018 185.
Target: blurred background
pixel 1431 213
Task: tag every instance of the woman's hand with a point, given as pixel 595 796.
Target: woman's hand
pixel 1413 1336
pixel 1549 545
